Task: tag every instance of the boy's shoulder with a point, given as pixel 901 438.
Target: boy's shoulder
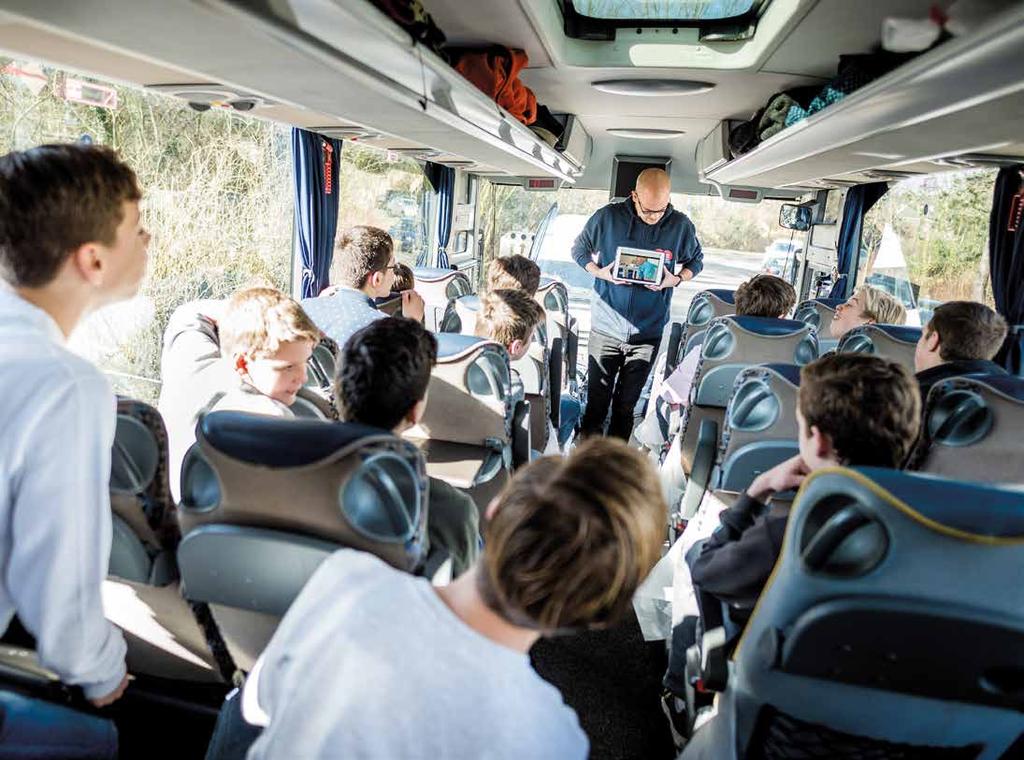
pixel 252 401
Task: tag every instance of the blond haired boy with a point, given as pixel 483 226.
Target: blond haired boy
pixel 267 338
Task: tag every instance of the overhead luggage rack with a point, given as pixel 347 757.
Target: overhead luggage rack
pixel 340 68
pixel 963 98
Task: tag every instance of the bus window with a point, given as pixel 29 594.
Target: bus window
pixel 217 200
pixel 386 191
pixel 926 241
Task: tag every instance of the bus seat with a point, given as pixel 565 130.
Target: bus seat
pixel 145 521
pixel 467 432
pixel 817 312
pixel 466 309
pixel 760 428
pixel 439 287
pixel 893 342
pixel 972 428
pixel 323 364
pixel 870 639
pixel 264 500
pixel 705 306
pixel 534 371
pixel 730 345
pixel 562 332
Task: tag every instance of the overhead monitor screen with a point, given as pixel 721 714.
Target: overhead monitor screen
pixel 626 168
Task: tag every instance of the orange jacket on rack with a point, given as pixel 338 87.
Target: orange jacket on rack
pixel 496 72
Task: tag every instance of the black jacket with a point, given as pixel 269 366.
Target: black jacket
pixel 735 562
pixel 927 378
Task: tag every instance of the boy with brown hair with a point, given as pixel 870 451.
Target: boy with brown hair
pixel 267 338
pixel 961 339
pixel 513 273
pixel 853 410
pixel 509 317
pixel 363 268
pixel 566 545
pixel 405 279
pixel 71 241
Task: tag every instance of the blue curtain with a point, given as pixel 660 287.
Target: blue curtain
pixel 316 160
pixel 1006 260
pixel 443 180
pixel 859 200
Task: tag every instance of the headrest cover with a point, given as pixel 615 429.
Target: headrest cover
pixel 970 511
pixel 135 457
pixel 789 372
pixel 275 442
pixel 454 345
pixel 768 326
pixel 902 333
pixel 729 296
pixel 470 302
pixel 1007 385
pixel 432 274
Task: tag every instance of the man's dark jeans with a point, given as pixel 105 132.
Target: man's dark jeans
pixel 616 375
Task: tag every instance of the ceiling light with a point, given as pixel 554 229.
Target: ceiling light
pixel 652 87
pixel 645 134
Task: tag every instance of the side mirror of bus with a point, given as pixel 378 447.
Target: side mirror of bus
pixel 794 217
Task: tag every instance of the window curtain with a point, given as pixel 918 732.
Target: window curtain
pixel 443 180
pixel 859 200
pixel 1006 259
pixel 316 160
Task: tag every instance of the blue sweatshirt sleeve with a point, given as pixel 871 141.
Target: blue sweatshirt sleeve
pixel 693 256
pixel 586 242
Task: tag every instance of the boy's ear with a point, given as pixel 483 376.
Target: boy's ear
pixel 931 341
pixel 417 412
pixel 492 509
pixel 515 347
pixel 89 263
pixel 240 364
pixel 822 444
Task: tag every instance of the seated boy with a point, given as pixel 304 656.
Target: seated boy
pixel 267 339
pixel 513 273
pixel 404 279
pixel 509 317
pixel 763 295
pixel 383 374
pixel 71 241
pixel 853 410
pixel 961 339
pixel 363 268
pixel 373 662
pixel 868 305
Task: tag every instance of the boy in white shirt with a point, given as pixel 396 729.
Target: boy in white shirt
pixel 267 338
pixel 371 662
pixel 71 240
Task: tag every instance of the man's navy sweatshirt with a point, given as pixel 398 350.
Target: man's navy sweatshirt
pixel 633 313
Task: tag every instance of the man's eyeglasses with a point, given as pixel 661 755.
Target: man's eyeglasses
pixel 648 211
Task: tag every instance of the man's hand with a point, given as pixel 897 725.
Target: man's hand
pixel 668 280
pixel 603 273
pixel 412 305
pixel 109 699
pixel 782 477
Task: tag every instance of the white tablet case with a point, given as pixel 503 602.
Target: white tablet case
pixel 656 256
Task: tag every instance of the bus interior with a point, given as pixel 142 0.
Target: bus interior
pixel 861 169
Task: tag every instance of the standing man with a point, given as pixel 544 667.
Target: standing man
pixel 627 320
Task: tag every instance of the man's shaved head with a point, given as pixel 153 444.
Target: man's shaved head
pixel 651 195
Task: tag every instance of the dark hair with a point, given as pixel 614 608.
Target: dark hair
pixel 868 406
pixel 359 252
pixel 764 295
pixel 384 371
pixel 573 537
pixel 967 330
pixel 404 279
pixel 513 272
pixel 55 199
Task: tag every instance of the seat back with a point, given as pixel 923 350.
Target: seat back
pixel 466 309
pixel 705 306
pixel 731 344
pixel 562 335
pixel 466 432
pixel 894 342
pixel 439 288
pixel 817 312
pixel 144 515
pixel 972 430
pixel 848 648
pixel 534 372
pixel 760 429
